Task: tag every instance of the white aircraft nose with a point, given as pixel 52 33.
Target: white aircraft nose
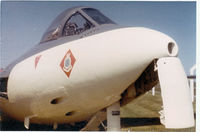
pixel 104 65
pixel 147 40
pixel 130 48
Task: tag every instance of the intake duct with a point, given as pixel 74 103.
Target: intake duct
pixel 172 49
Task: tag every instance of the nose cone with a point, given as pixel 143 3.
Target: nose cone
pixel 134 48
pixel 128 51
pixel 149 42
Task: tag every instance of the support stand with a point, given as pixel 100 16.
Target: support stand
pixel 113 117
pixel 55 126
pixel 27 121
pixel 191 81
pixel 153 91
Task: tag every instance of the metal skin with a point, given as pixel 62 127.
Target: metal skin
pixel 105 66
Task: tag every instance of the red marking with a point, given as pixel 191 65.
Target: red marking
pixel 1 70
pixel 67 63
pixel 37 58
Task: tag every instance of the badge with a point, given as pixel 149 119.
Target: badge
pixel 67 63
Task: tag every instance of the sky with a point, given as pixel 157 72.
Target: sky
pixel 23 23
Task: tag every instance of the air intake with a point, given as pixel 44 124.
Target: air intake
pixel 172 49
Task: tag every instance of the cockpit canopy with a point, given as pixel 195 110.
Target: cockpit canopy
pixel 75 21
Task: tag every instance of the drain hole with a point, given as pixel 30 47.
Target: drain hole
pixel 69 113
pixel 56 100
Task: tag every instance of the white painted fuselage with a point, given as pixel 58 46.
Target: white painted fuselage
pixel 104 65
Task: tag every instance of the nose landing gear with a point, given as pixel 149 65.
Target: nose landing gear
pixel 177 102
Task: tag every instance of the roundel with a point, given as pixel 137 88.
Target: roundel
pixel 67 63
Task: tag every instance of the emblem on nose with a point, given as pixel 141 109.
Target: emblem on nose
pixel 67 63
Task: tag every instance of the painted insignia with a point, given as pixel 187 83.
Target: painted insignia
pixel 37 58
pixel 67 63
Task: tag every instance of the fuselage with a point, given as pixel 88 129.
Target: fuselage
pixel 104 67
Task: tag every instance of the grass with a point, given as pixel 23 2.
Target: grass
pixel 143 115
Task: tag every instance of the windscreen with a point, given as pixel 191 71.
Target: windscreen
pixel 97 16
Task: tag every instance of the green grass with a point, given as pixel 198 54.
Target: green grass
pixel 143 115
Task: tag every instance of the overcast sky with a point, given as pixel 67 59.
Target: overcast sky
pixel 23 23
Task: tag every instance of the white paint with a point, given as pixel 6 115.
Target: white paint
pixel 153 91
pixel 162 117
pixel 26 122
pixel 191 81
pixel 178 109
pixel 113 120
